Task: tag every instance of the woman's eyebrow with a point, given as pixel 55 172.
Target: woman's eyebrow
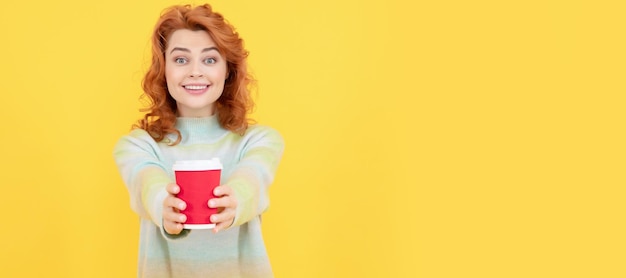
pixel 187 50
pixel 210 48
pixel 180 49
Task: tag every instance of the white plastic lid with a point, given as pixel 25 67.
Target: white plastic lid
pixel 198 226
pixel 197 165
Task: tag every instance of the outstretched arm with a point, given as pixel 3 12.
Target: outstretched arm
pixel 144 175
pixel 254 173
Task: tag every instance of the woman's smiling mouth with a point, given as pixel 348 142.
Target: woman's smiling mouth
pixel 195 87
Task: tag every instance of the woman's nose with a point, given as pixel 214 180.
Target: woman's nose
pixel 195 70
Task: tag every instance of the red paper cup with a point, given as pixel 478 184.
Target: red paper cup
pixel 197 179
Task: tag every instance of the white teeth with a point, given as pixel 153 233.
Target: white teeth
pixel 195 87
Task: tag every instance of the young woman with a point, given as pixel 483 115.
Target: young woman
pixel 198 88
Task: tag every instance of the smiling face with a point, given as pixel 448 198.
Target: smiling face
pixel 195 72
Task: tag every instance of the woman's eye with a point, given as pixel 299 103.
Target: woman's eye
pixel 210 61
pixel 180 60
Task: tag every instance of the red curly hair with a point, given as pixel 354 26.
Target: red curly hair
pixel 235 102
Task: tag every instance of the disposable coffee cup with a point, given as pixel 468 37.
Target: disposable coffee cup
pixel 197 179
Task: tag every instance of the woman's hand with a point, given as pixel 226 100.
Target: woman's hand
pixel 172 218
pixel 227 205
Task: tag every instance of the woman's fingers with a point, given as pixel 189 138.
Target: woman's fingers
pixel 223 202
pixel 223 225
pixel 172 188
pixel 172 228
pixel 224 216
pixel 228 203
pixel 174 203
pixel 172 221
pixel 224 219
pixel 225 198
pixel 172 218
pixel 223 190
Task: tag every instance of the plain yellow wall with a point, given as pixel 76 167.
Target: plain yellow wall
pixel 423 138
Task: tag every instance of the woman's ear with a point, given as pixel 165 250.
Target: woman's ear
pixel 229 73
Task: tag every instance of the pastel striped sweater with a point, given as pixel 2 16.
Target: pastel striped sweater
pixel 249 164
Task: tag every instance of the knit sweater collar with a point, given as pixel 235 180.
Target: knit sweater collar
pixel 206 127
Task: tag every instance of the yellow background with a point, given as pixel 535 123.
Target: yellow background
pixel 423 138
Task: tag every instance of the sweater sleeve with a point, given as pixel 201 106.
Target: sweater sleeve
pixel 137 159
pixel 255 172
